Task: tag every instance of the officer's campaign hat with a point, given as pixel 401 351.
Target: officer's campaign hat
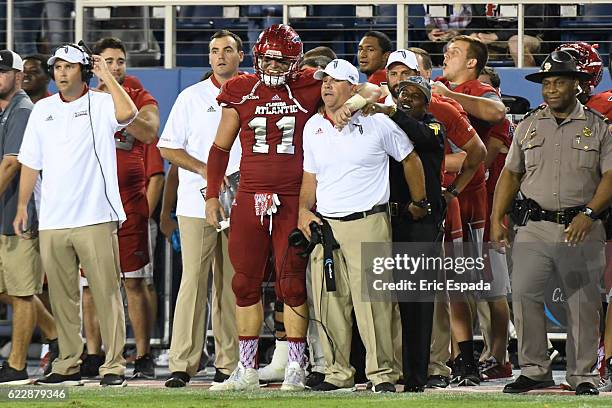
pixel 558 63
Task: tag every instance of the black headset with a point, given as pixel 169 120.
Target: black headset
pixel 86 65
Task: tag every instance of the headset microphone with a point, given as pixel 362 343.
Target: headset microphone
pixel 85 47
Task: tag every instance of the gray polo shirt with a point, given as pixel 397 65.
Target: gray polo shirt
pixel 13 121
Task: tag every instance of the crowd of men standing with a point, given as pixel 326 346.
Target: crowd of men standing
pixel 400 159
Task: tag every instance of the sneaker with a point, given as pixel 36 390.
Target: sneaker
pixel 90 367
pixel 383 387
pixel 586 389
pixel 178 379
pixel 438 381
pixel 469 376
pixel 219 377
pixel 313 379
pixel 329 387
pixel 113 380
pixel 60 379
pixel 605 383
pixel 295 377
pixel 51 356
pixel 275 371
pixel 494 370
pixel 241 379
pixel 144 367
pixel 552 353
pixel 162 359
pixel 8 375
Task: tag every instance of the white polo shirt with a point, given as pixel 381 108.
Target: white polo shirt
pixel 352 166
pixel 76 189
pixel 192 126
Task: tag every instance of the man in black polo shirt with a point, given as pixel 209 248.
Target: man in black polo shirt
pixel 427 135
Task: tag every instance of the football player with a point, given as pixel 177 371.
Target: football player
pixel 268 109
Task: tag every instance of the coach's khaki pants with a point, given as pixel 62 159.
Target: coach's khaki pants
pixel 96 248
pixel 224 310
pixel 440 338
pixel 199 245
pixel 374 319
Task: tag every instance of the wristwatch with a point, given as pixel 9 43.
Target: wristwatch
pixel 392 110
pixel 424 204
pixel 452 188
pixel 588 211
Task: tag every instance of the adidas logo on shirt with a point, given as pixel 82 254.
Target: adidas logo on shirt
pixel 211 109
pixel 276 98
pixel 319 131
pixel 49 118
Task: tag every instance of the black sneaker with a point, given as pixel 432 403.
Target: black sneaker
pixel 178 379
pixel 90 367
pixel 469 375
pixel 438 381
pixel 113 380
pixel 144 367
pixel 414 388
pixel 524 384
pixel 53 354
pixel 329 387
pixel 219 377
pixel 586 388
pixel 313 379
pixel 8 375
pixel 383 387
pixel 60 379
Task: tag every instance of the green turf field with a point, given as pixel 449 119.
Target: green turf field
pixel 92 397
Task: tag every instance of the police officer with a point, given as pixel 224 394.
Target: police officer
pixel 561 161
pixel 428 135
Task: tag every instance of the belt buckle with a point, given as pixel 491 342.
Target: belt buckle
pixel 394 209
pixel 560 217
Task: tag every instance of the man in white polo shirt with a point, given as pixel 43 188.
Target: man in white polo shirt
pixel 70 138
pixel 185 142
pixel 346 174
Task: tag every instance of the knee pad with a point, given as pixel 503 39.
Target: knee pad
pixel 246 289
pixel 292 290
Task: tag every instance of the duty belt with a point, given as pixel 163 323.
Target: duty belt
pixel 362 214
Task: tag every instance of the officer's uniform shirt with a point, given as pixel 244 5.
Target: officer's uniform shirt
pixel 562 163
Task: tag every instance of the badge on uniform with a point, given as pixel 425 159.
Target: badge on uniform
pixel 586 132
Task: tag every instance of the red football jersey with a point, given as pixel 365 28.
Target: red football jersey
pixel 458 129
pixel 378 77
pixel 130 160
pixel 475 88
pixel 602 103
pixel 153 162
pixel 503 131
pixel 130 81
pixel 272 121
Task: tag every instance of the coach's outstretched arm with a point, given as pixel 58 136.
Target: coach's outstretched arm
pixel 125 110
pixel 217 163
pixel 366 93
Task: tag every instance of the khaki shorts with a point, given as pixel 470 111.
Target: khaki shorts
pixel 20 267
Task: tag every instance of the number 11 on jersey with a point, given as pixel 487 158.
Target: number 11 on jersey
pixel 260 128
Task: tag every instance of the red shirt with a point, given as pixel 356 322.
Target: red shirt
pixel 602 103
pixel 130 81
pixel 130 161
pixel 378 77
pixel 271 129
pixel 153 162
pixel 503 131
pixel 458 129
pixel 476 88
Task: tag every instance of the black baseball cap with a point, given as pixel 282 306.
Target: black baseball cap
pixel 10 60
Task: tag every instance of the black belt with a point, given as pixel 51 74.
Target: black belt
pixel 361 214
pixel 559 217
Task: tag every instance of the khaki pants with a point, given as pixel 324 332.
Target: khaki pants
pixel 539 254
pixel 374 319
pixel 20 271
pixel 199 247
pixel 97 249
pixel 440 338
pixel 224 310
